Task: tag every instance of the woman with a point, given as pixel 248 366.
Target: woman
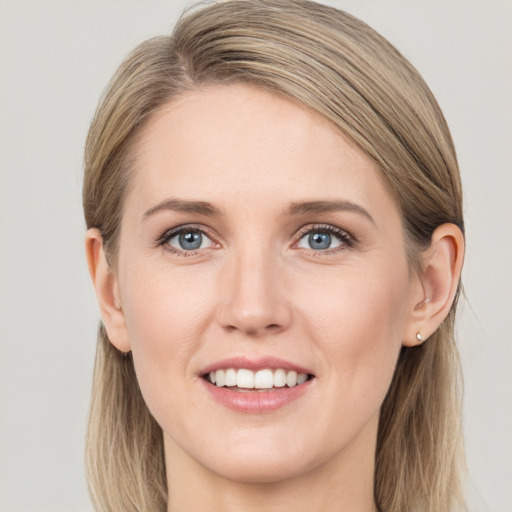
pixel 275 236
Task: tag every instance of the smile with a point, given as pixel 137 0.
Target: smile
pixel 256 386
pixel 265 379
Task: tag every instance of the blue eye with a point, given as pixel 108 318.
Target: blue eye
pixel 189 240
pixel 322 239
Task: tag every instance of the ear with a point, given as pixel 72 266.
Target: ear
pixel 107 291
pixel 437 284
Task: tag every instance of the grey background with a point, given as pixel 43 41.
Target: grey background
pixel 55 59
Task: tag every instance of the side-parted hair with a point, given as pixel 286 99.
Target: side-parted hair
pixel 337 66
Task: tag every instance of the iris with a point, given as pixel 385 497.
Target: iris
pixel 190 240
pixel 319 241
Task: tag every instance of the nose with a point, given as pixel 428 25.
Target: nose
pixel 253 299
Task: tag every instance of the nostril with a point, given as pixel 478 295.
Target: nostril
pixel 254 332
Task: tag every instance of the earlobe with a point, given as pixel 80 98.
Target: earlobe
pixel 106 285
pixel 439 279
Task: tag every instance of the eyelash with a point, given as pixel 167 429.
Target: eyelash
pixel 346 239
pixel 163 241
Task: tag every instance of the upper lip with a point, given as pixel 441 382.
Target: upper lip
pixel 261 363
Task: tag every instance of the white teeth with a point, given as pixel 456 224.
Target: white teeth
pixel 220 378
pixel 245 379
pixel 262 379
pixel 231 377
pixel 279 378
pixel 291 379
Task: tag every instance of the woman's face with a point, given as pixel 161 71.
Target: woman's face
pixel 257 242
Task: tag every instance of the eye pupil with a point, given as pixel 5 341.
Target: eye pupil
pixel 319 240
pixel 190 240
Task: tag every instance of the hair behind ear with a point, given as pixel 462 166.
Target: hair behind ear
pixel 124 447
pixel 421 415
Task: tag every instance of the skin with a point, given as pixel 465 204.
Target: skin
pixel 256 288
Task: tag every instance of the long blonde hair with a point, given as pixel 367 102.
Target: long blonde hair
pixel 337 66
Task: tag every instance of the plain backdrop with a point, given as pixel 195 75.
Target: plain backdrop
pixel 55 60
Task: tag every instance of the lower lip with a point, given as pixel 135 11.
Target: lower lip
pixel 256 402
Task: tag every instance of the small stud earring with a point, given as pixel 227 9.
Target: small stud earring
pixel 419 337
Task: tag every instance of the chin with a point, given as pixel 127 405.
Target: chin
pixel 264 458
pixel 270 471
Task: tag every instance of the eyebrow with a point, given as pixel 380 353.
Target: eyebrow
pixel 305 207
pixel 180 205
pixel 296 208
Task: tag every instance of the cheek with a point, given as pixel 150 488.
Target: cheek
pixel 165 313
pixel 368 300
pixel 357 320
pixel 163 307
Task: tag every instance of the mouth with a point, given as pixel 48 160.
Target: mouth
pixel 257 386
pixel 262 380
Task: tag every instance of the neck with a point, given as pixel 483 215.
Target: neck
pixel 343 484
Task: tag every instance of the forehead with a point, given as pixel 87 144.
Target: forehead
pixel 239 142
